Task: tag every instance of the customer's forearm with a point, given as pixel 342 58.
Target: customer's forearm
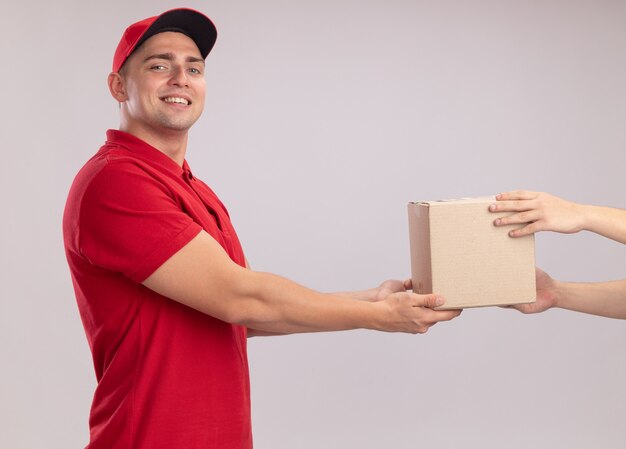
pixel 606 221
pixel 606 299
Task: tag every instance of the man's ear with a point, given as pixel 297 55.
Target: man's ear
pixel 117 87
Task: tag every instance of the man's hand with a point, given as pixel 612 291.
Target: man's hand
pixel 391 286
pixel 413 313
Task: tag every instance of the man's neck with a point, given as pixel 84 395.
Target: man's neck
pixel 171 143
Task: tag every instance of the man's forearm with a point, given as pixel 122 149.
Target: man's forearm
pixel 274 305
pixel 361 295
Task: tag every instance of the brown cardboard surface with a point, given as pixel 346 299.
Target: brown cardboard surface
pixel 457 252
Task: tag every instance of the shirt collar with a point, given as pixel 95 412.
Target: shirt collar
pixel 145 151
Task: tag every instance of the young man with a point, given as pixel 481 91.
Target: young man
pixel 543 212
pixel 161 281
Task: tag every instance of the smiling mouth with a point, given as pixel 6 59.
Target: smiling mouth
pixel 177 100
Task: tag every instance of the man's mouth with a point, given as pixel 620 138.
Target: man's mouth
pixel 178 100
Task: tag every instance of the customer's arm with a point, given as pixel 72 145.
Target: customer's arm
pixel 606 299
pixel 545 212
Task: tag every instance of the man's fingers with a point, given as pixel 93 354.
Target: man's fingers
pixel 408 284
pixel 431 317
pixel 423 316
pixel 431 301
pixel 445 315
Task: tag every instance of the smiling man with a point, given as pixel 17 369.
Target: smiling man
pixel 164 292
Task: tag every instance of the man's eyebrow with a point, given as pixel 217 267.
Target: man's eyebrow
pixel 194 59
pixel 166 56
pixel 170 57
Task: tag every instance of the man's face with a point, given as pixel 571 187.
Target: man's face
pixel 165 86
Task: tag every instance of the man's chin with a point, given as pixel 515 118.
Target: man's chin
pixel 177 125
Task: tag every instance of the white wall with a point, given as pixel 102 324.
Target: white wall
pixel 324 118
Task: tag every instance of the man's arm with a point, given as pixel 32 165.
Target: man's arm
pixel 544 212
pixel 202 276
pixel 606 299
pixel 379 293
pixel 373 294
pixel 255 332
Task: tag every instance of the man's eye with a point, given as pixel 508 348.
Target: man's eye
pixel 157 67
pixel 195 71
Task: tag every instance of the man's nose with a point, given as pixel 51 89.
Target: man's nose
pixel 179 77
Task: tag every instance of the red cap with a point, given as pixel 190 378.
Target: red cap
pixel 183 20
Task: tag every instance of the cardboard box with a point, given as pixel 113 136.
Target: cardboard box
pixel 457 252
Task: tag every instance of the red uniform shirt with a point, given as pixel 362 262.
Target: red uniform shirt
pixel 168 376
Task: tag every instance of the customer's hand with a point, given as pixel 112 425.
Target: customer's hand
pixel 546 295
pixel 542 212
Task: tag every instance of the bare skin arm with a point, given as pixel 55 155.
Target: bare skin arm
pixel 373 294
pixel 202 276
pixel 606 299
pixel 545 212
pixel 381 292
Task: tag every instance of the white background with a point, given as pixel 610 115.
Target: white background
pixel 323 119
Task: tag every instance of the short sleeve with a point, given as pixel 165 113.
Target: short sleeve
pixel 130 221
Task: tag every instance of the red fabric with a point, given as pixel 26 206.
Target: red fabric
pixel 168 376
pixel 195 24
